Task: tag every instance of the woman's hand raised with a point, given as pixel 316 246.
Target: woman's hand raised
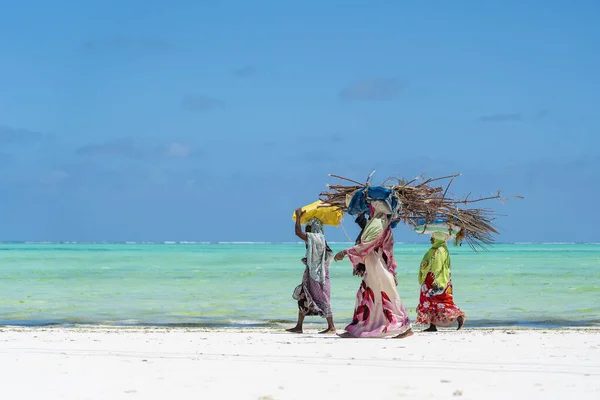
pixel 299 213
pixel 340 256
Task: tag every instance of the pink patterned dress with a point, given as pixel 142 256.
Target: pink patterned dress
pixel 379 311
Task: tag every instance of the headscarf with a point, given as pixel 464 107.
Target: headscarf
pixel 379 220
pixel 380 208
pixel 441 236
pixel 318 256
pixel 437 262
pixel 316 226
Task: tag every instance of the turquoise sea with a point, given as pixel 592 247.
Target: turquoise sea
pixel 250 285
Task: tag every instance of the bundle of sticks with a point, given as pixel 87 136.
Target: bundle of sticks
pixel 421 199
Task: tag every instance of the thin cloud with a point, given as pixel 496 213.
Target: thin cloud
pixel 6 160
pixel 125 148
pixel 502 117
pixel 200 103
pixel 381 89
pixel 315 157
pixel 337 138
pixel 178 150
pixel 120 43
pixel 542 114
pixel 54 177
pixel 89 173
pixel 10 135
pixel 245 72
pixel 333 138
pixel 129 149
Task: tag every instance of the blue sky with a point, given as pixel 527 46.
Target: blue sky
pixel 189 120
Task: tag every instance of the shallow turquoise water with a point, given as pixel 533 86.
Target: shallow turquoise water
pixel 251 284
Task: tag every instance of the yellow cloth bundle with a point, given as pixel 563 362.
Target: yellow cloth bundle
pixel 328 215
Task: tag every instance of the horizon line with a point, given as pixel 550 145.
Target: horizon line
pixel 191 242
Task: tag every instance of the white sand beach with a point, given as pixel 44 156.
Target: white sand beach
pixel 135 363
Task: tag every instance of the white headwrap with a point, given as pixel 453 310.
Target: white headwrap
pixel 441 236
pixel 316 226
pixel 381 207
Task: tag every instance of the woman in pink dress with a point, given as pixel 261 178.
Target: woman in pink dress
pixel 379 312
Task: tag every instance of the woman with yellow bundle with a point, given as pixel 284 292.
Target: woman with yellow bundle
pixel 313 294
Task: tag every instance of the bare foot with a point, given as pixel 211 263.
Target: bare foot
pixel 461 322
pixel 405 334
pixel 328 330
pixel 432 328
pixel 295 329
pixel 345 335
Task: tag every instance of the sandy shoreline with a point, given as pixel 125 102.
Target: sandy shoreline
pixel 143 363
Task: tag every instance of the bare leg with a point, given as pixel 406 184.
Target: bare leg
pixel 330 326
pixel 405 334
pixel 432 328
pixel 461 322
pixel 298 327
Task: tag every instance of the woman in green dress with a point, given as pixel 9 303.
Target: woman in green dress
pixel 436 302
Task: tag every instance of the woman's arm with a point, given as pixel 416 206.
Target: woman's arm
pixel 372 232
pixel 439 268
pixel 424 267
pixel 435 262
pixel 298 227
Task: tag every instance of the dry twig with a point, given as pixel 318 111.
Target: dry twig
pixel 424 201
